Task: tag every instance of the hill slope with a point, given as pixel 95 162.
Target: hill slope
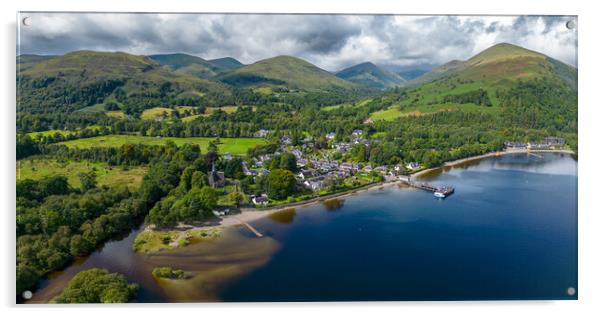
pixel 84 78
pixel 370 75
pixel 188 64
pixel 528 89
pixel 226 63
pixel 504 63
pixel 286 71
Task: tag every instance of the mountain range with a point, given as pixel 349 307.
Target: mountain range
pixel 45 79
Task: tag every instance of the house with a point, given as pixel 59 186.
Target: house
pixel 413 165
pixel 342 147
pixel 315 183
pixel 260 200
pixel 554 141
pixel 357 133
pixel 302 162
pixel 216 178
pixel 515 146
pixel 227 156
pixel 297 153
pixel 307 173
pixel 286 140
pixel 262 133
pixel 349 167
pixel 330 136
pixel 263 172
pixel 381 169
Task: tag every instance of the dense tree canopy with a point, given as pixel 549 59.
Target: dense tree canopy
pixel 97 286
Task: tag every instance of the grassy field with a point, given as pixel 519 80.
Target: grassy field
pixel 395 112
pixel 36 169
pixel 157 240
pixel 153 113
pixel 235 146
pixel 100 107
pixel 115 114
pixel 337 106
pixel 62 132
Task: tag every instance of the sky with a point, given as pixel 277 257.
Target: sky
pixel 332 42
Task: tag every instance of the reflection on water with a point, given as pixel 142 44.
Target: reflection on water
pixel 334 204
pixel 285 216
pixel 213 263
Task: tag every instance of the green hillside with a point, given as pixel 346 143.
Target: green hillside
pixel 529 88
pixel 226 63
pixel 85 78
pixel 286 71
pixel 188 64
pixel 370 75
pixel 503 64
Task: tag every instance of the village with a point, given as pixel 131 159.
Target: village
pixel 317 170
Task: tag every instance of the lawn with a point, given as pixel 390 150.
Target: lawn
pixel 36 169
pixel 235 146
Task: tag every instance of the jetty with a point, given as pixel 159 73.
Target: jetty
pixel 251 228
pixel 438 191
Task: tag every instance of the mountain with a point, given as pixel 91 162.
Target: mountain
pixel 438 72
pixel 27 61
pixel 370 75
pixel 503 64
pixel 84 78
pixel 525 88
pixel 410 74
pixel 288 71
pixel 196 66
pixel 226 63
pixel 188 64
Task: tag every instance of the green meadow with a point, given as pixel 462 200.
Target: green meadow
pixel 235 146
pixel 36 169
pixel 395 111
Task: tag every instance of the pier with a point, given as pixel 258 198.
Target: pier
pixel 251 228
pixel 438 191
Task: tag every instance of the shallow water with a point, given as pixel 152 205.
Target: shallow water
pixel 509 232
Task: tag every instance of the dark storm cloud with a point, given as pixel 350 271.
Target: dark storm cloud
pixel 330 41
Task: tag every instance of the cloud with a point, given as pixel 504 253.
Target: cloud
pixel 329 41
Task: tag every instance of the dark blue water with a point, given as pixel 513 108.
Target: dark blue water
pixel 509 232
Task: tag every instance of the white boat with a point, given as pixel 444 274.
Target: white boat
pixel 439 194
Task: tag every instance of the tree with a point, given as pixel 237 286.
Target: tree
pixel 88 180
pixel 97 286
pixel 281 184
pixel 288 161
pixel 236 197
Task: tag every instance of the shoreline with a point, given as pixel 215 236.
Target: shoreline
pixel 456 162
pixel 249 214
pixel 252 214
